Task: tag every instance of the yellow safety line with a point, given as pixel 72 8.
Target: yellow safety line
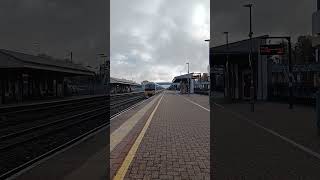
pixel 126 163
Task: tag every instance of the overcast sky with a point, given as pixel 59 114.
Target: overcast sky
pixel 153 39
pixel 150 39
pixel 272 17
pixel 58 26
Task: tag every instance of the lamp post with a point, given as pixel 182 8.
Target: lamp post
pixel 105 76
pixel 102 55
pixel 227 66
pixel 188 80
pixel 211 82
pixel 250 59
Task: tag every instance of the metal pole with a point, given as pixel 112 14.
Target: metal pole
pixel 290 76
pixel 211 78
pixel 318 112
pixel 251 63
pixel 188 80
pixel 227 67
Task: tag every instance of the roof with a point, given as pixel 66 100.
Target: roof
pixel 240 47
pixel 179 78
pixel 164 83
pixel 122 81
pixel 13 59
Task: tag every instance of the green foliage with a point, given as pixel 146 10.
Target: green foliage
pixel 304 50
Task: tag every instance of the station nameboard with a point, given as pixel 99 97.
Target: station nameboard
pixel 272 49
pixel 296 68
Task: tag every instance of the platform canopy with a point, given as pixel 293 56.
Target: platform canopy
pixel 237 51
pixel 178 79
pixel 122 81
pixel 11 59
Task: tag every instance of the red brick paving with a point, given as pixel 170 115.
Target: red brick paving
pixel 202 100
pixel 118 121
pixel 176 144
pixel 121 150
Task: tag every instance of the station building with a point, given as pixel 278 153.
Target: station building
pixel 270 74
pixel 185 82
pixel 123 86
pixel 25 77
pixel 236 71
pixel 193 82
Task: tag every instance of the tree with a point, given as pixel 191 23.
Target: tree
pixel 303 50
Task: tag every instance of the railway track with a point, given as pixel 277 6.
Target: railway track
pixel 31 132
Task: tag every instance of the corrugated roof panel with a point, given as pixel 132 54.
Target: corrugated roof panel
pixel 47 63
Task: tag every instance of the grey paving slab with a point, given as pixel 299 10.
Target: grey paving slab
pixel 243 150
pixel 86 160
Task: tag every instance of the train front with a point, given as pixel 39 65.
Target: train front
pixel 149 89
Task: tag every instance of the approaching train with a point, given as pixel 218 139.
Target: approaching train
pixel 152 88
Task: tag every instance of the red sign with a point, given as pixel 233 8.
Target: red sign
pixel 272 49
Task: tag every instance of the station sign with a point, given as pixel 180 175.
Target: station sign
pixel 296 68
pixel 272 49
pixel 215 70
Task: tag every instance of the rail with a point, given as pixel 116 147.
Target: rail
pixel 33 130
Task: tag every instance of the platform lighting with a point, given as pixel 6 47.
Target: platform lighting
pixel 188 80
pixel 211 83
pixel 227 64
pixel 250 57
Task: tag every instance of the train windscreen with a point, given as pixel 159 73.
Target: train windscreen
pixel 149 87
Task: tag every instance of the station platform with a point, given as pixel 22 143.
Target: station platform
pixel 166 137
pixel 83 160
pixel 273 142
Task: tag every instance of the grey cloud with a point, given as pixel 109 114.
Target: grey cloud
pixel 274 17
pixel 166 37
pixel 58 26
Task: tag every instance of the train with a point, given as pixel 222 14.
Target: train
pixel 152 88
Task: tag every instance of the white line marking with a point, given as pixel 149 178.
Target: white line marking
pixel 299 146
pixel 117 135
pixel 126 110
pixel 132 152
pixel 37 163
pixel 197 104
pixel 218 105
pixel 131 107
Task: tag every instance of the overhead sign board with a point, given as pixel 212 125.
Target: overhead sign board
pixel 272 49
pixel 296 68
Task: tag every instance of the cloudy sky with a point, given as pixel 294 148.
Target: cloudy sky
pixel 150 39
pixel 57 26
pixel 153 39
pixel 273 17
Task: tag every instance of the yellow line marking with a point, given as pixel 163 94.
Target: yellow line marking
pixel 126 163
pixel 117 136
